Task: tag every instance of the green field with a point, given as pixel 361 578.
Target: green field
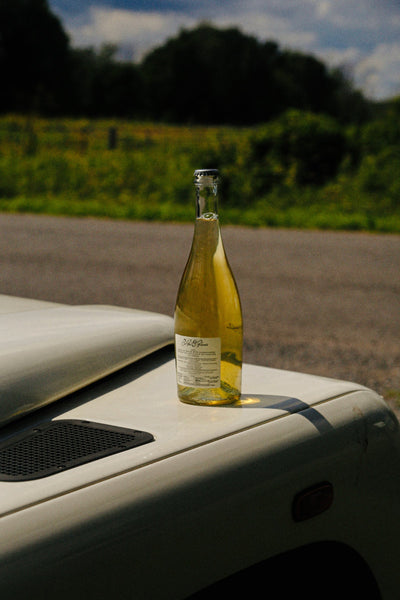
pixel 302 170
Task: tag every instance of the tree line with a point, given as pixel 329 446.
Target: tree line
pixel 205 75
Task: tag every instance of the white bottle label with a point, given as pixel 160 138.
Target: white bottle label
pixel 198 361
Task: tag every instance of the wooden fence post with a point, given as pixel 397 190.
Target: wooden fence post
pixel 112 138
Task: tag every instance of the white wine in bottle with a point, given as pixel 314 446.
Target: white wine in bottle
pixel 208 314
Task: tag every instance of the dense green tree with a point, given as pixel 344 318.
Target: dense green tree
pixel 102 86
pixel 34 55
pixel 211 75
pixel 224 76
pixel 42 73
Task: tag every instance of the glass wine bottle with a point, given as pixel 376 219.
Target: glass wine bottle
pixel 208 314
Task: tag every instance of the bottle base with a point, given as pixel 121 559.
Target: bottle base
pixel 207 396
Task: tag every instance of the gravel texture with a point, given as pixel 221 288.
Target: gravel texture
pixel 326 303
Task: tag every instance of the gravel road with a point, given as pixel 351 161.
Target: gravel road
pixel 326 303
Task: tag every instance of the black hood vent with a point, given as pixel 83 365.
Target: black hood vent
pixel 55 446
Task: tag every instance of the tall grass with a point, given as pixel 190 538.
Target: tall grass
pixel 72 167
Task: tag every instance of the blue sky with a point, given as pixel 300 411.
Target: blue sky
pixel 362 36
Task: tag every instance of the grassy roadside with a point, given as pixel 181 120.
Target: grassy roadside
pixel 260 216
pixel 142 171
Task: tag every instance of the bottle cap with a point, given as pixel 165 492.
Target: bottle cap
pixel 206 177
pixel 206 173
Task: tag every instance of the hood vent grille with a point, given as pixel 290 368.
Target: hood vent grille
pixel 58 445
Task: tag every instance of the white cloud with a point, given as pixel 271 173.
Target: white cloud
pixel 144 30
pixel 375 72
pixel 266 26
pixel 353 15
pixel 137 30
pixel 379 73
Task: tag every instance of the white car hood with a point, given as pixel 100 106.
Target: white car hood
pixel 48 350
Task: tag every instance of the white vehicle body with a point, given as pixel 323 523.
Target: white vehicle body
pixel 297 486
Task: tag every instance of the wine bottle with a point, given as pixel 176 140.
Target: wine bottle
pixel 208 314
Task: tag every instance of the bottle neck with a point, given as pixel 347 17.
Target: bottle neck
pixel 207 197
